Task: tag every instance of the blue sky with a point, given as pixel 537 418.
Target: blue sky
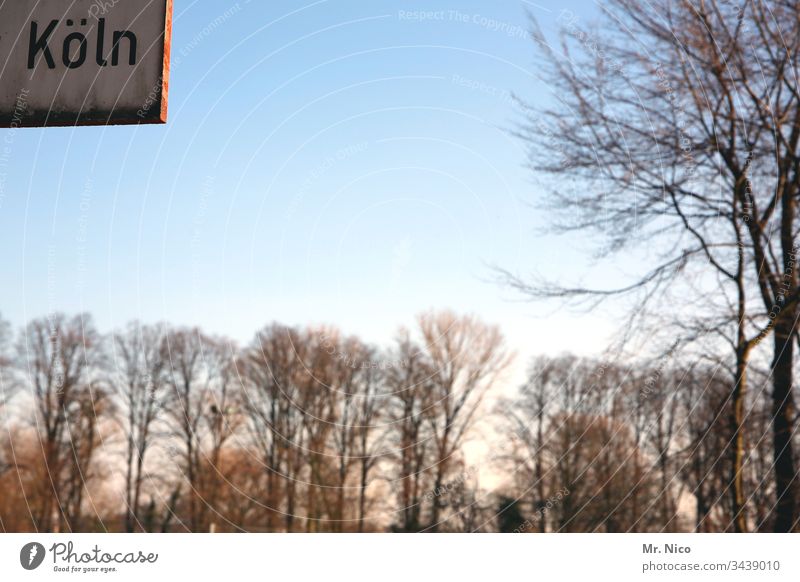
pixel 333 162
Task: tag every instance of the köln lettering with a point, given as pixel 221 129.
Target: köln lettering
pixel 74 48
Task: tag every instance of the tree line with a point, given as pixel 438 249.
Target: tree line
pixel 156 429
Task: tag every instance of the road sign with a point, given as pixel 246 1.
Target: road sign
pixel 84 62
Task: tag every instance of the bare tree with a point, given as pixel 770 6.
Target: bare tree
pixel 466 358
pixel 271 366
pixel 138 372
pixel 199 411
pixel 265 371
pixel 222 419
pixel 574 427
pixel 370 435
pixel 409 385
pixel 680 123
pixel 56 357
pixel 87 413
pixel 524 424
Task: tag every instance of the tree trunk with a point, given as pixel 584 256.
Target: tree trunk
pixel 129 513
pixel 783 409
pixel 437 488
pixel 783 412
pixel 362 496
pixel 137 495
pixel 738 498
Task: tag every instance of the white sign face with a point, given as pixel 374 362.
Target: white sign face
pixel 84 62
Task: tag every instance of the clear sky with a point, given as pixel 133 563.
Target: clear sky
pixel 341 162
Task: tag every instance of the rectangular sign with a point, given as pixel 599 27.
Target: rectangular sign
pixel 84 62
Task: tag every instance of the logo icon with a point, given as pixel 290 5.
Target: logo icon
pixel 31 555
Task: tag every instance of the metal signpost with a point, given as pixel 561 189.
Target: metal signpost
pixel 84 62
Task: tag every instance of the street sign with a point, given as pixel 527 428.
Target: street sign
pixel 84 62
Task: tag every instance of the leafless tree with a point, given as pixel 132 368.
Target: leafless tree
pixel 466 357
pixel 57 356
pixel 271 366
pixel 524 424
pixel 679 124
pixel 410 389
pixel 221 420
pixel 202 411
pixel 370 430
pixel 138 374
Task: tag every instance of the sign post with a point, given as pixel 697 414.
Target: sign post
pixel 84 62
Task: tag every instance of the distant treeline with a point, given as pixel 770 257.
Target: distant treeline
pixel 161 429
